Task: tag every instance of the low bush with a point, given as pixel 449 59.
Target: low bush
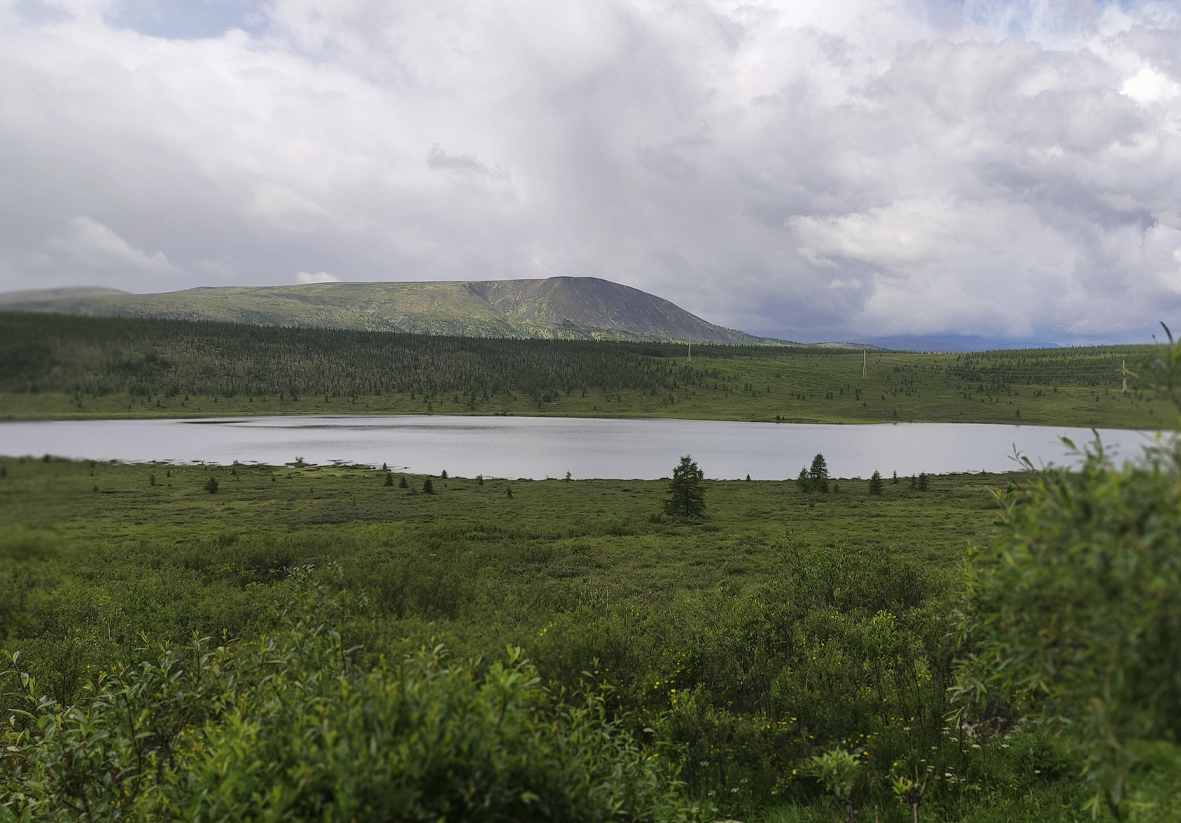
pixel 299 725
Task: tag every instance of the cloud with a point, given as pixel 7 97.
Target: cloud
pixel 319 277
pixel 462 164
pixel 1150 86
pixel 89 245
pixel 841 167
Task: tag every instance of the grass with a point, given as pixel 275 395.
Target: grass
pixel 96 558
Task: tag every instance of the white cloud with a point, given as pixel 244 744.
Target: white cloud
pixel 319 277
pixel 1149 86
pixel 846 167
pixel 89 245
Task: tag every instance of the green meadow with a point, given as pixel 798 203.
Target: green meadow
pixel 780 625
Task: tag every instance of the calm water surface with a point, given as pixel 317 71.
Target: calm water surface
pixel 540 447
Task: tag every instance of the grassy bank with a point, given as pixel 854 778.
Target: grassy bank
pixel 782 624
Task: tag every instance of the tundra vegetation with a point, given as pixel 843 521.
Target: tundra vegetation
pixel 314 643
pixel 65 366
pixel 295 645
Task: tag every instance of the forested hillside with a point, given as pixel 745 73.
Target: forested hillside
pixel 55 365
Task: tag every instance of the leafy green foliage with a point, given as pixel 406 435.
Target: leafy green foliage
pixel 686 495
pixel 837 770
pixel 296 725
pixel 1074 609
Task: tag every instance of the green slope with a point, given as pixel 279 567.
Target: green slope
pixel 573 308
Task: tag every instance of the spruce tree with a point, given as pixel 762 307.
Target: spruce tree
pixel 818 475
pixel 802 481
pixel 686 497
pixel 875 483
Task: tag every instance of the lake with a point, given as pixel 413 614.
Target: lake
pixel 540 447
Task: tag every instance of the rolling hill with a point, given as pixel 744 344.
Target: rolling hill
pixel 572 308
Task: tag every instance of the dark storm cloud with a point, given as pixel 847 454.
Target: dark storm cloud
pixel 840 168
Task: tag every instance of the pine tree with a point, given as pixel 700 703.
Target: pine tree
pixel 802 481
pixel 818 475
pixel 686 497
pixel 875 483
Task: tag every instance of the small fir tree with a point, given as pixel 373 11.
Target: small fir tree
pixel 818 475
pixel 875 483
pixel 428 487
pixel 686 496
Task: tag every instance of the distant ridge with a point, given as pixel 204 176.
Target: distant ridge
pixel 586 308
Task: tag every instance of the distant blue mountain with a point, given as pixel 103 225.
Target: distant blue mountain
pixel 926 342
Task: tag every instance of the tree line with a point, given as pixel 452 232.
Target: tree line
pixel 97 356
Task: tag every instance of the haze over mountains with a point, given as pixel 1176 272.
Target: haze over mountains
pixel 586 308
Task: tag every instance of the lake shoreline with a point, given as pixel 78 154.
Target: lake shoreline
pixel 538 447
pixel 293 409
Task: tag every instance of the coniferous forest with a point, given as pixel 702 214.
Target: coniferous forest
pixel 72 366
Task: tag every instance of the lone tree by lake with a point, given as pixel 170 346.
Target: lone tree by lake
pixel 686 496
pixel 818 474
pixel 875 483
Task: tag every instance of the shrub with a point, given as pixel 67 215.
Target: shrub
pixel 1075 608
pixel 295 726
pixel 211 485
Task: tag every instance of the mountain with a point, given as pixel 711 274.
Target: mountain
pixel 557 307
pixel 921 342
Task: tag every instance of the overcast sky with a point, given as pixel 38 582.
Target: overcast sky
pixel 834 168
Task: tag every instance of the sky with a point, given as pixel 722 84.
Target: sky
pixel 830 169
